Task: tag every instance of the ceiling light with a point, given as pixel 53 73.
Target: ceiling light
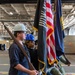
pixel 7 41
pixel 10 13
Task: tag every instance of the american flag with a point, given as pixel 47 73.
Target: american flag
pixel 51 53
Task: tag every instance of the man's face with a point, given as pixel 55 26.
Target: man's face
pixel 21 35
pixel 31 44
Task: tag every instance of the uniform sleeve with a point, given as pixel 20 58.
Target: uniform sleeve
pixel 14 55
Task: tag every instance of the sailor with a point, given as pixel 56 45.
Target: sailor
pixel 18 62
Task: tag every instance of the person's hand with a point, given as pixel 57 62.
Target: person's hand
pixel 33 72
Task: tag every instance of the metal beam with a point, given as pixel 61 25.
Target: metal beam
pixel 15 9
pixel 70 12
pixel 72 22
pixel 15 20
pixel 4 10
pixel 27 13
pixel 26 10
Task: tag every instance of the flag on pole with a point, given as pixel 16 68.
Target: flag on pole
pixel 59 29
pixel 51 53
pixel 40 25
pixel 43 22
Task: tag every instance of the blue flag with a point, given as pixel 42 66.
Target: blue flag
pixel 59 30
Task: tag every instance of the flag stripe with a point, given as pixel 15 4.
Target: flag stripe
pixel 49 10
pixel 48 5
pixel 50 34
pixel 52 38
pixel 53 54
pixel 49 14
pixel 51 46
pixel 49 20
pixel 49 24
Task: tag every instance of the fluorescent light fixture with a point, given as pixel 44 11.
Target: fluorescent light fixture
pixel 10 13
pixel 7 41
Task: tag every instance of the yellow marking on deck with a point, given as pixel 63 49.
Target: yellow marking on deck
pixel 3 72
pixel 4 64
pixel 68 66
pixel 3 54
pixel 70 73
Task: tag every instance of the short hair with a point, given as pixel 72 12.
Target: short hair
pixel 27 41
pixel 15 33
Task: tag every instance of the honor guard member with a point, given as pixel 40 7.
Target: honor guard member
pixel 30 43
pixel 18 62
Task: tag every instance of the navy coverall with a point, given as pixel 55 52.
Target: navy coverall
pixel 17 57
pixel 34 57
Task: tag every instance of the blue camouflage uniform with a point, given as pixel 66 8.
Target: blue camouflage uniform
pixel 17 57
